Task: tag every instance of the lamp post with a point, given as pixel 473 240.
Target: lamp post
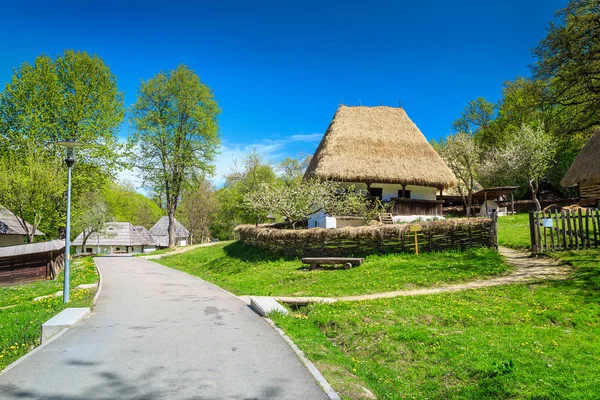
pixel 69 160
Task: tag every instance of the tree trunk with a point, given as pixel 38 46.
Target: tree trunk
pixel 171 229
pixel 534 189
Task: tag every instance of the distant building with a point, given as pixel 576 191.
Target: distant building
pixel 160 232
pixel 12 231
pixel 585 172
pixel 117 238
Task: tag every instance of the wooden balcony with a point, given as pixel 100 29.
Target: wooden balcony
pixel 417 207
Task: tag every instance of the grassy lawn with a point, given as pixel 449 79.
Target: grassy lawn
pixel 20 326
pixel 535 341
pixel 513 231
pixel 245 270
pixel 155 252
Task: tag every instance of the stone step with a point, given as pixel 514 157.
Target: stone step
pixel 64 319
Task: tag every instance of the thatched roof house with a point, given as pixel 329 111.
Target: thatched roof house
pixel 378 144
pixel 118 237
pixel 160 232
pixel 12 231
pixel 585 171
pixel 382 150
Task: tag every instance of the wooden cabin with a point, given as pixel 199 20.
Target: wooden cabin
pixel 160 232
pixel 117 238
pixel 585 172
pixel 383 153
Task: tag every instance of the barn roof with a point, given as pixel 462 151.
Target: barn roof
pixel 585 168
pixel 118 234
pixel 378 144
pixel 10 224
pixel 160 231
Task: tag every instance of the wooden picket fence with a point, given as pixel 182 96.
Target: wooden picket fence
pixel 554 230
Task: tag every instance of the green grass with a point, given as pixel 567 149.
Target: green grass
pixel 535 341
pixel 20 326
pixel 513 231
pixel 245 270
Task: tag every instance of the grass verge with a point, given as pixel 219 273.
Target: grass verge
pixel 534 341
pixel 513 231
pixel 21 318
pixel 246 270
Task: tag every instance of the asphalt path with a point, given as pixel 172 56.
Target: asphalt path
pixel 157 333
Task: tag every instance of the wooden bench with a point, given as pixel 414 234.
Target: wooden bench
pixel 315 262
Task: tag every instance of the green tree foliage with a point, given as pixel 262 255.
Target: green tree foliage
pixel 176 132
pixel 293 169
pixel 568 58
pixel 32 187
pixel 198 209
pixel 124 204
pixel 74 96
pixel 90 214
pixel 477 119
pixel 463 156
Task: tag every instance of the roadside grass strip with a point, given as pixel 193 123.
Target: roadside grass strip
pixel 21 321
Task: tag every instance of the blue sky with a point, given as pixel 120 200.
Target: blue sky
pixel 280 69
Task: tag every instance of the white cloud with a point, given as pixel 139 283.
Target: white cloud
pixel 311 137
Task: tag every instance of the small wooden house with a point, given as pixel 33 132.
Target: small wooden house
pixel 585 172
pixel 382 152
pixel 160 232
pixel 117 238
pixel 12 229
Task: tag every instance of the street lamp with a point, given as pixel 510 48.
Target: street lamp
pixel 69 160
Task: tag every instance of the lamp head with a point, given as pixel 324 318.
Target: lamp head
pixel 70 146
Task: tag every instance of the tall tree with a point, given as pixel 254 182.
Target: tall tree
pixel 463 156
pixel 32 187
pixel 477 119
pixel 197 209
pixel 176 132
pixel 90 214
pixel 74 96
pixel 293 169
pixel 569 59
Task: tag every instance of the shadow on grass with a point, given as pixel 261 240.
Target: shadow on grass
pixel 246 253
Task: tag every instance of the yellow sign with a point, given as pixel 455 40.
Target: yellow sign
pixel 415 228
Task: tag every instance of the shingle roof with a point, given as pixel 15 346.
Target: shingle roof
pixel 160 231
pixel 118 234
pixel 10 225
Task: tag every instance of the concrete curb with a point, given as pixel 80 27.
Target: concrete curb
pixel 332 394
pixel 59 334
pixel 99 289
pixel 307 363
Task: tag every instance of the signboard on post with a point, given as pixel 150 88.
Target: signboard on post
pixel 415 229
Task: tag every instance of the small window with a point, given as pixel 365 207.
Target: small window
pixel 406 194
pixel 376 192
pixel 88 250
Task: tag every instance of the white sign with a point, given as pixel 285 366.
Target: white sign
pixel 547 222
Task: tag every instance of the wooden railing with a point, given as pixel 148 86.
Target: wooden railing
pixel 417 207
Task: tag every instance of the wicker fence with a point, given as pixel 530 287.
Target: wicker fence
pixel 456 234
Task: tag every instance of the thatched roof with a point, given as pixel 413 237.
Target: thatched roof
pixel 160 231
pixel 585 168
pixel 10 224
pixel 118 234
pixel 378 145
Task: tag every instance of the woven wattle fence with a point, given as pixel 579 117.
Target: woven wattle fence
pixel 452 234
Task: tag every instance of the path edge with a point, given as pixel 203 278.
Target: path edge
pixel 329 391
pixel 59 334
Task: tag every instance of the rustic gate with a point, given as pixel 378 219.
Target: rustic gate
pixel 567 229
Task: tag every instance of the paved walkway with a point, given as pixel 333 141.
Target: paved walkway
pixel 157 333
pixel 527 269
pixel 179 250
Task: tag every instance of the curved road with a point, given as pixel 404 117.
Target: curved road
pixel 157 333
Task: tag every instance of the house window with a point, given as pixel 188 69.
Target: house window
pixel 88 250
pixel 406 194
pixel 376 192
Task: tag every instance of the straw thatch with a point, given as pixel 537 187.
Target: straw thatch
pixel 378 145
pixel 160 231
pixel 118 234
pixel 10 224
pixel 585 169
